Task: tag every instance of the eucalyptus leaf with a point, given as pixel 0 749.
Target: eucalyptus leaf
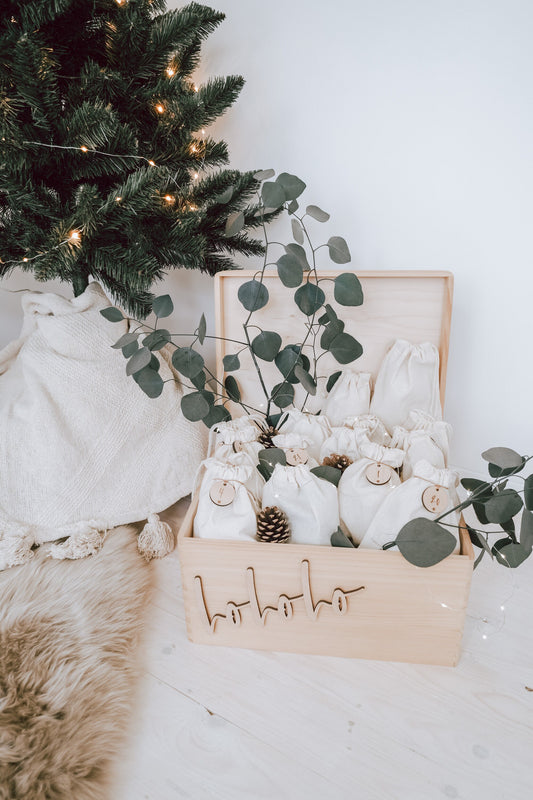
pixel 331 314
pixel 299 253
pixel 202 329
pixel 163 306
pixel 154 363
pixel 232 389
pixel 272 195
pixel 528 492
pixel 498 472
pixel 216 414
pixel 209 396
pixel 198 380
pixel 509 553
pixel 289 270
pixel 526 530
pixel 481 489
pixel 502 457
pixel 226 196
pixel 339 539
pixel 348 290
pixel 332 380
pixel 112 314
pixel 253 295
pixel 269 458
pixel 297 231
pixel 338 250
pixel 292 186
pixel 194 406
pixel 330 332
pixel 330 474
pixel 478 540
pixel 234 223
pixel 138 361
pixel 157 339
pixel 287 359
pixel 424 542
pixel 293 206
pixel 125 339
pixel 266 345
pixel 187 361
pixel 345 349
pixel 150 381
pixel 283 394
pixel 307 380
pixel 317 213
pixel 264 174
pixel 478 559
pixel 309 298
pixel 129 349
pixel 479 511
pixel 231 362
pixel 503 506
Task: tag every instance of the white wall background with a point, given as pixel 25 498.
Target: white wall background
pixel 412 123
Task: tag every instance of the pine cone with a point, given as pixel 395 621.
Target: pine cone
pixel 337 461
pixel 265 437
pixel 272 525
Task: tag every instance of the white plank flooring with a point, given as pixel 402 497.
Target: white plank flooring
pixel 222 724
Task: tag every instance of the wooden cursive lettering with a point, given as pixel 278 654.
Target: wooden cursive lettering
pixel 284 608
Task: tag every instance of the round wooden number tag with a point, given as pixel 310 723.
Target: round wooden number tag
pixel 296 456
pixel 238 447
pixel 378 473
pixel 435 498
pixel 222 493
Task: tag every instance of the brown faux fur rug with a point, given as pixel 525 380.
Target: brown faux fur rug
pixel 68 661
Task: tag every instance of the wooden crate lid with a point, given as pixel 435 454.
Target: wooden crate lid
pixel 412 305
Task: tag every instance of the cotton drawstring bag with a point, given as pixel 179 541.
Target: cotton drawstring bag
pixel 238 434
pixel 314 428
pixel 345 442
pixel 371 425
pixel 350 396
pixel 418 446
pixel 365 485
pixel 429 493
pixel 226 507
pixel 408 378
pixel 296 448
pixel 310 503
pixel 255 482
pixel 440 431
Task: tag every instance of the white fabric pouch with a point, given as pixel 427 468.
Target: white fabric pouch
pixel 440 431
pixel 366 484
pixel 296 448
pixel 350 396
pixel 238 434
pixel 371 425
pixel 408 378
pixel 418 446
pixel 226 508
pixel 429 493
pixel 314 428
pixel 344 442
pixel 310 503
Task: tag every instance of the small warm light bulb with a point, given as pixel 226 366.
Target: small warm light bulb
pixel 152 163
pixel 160 109
pixel 24 259
pixel 195 88
pixel 203 131
pixel 169 198
pixel 83 148
pixel 171 72
pixel 75 236
pixel 118 199
pixel 192 207
pixel 195 176
pixel 193 148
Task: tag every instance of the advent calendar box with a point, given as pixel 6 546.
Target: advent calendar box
pixel 337 601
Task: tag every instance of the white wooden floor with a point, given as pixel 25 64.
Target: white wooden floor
pixel 231 724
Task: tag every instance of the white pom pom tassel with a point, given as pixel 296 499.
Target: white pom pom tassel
pixel 156 539
pixel 15 547
pixel 79 545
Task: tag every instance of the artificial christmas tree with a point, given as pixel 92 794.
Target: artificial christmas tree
pixel 104 149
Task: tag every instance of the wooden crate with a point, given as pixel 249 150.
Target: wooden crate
pixel 331 601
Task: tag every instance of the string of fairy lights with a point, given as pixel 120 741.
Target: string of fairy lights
pixel 75 235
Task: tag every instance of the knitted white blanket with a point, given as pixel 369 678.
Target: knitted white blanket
pixel 82 448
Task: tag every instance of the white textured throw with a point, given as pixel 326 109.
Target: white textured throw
pixel 82 448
